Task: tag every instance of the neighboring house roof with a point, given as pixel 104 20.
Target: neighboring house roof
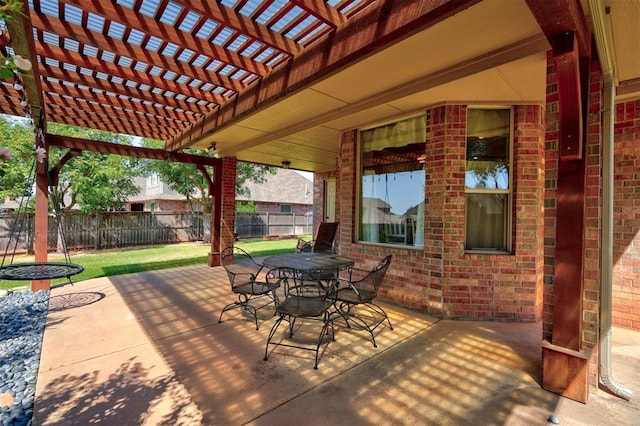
pixel 285 187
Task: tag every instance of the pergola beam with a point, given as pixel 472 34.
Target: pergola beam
pixel 130 151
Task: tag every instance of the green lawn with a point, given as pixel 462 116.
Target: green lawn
pixel 137 259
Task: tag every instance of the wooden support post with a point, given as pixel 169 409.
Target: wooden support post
pixel 565 365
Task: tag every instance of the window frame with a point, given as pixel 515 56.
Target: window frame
pixel 509 192
pixel 358 184
pixel 288 207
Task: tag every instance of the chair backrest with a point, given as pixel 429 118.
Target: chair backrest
pixel 376 276
pixel 237 261
pixel 325 235
pixel 309 296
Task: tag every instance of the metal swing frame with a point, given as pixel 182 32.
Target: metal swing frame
pixel 33 271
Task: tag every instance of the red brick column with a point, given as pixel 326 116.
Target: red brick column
pixel 228 202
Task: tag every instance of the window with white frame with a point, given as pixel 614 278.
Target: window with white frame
pixel 153 180
pixel 488 184
pixel 392 184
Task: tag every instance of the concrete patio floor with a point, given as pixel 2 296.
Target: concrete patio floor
pixel 146 348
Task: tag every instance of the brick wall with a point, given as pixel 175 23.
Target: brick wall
pixel 626 216
pixel 495 286
pixel 442 279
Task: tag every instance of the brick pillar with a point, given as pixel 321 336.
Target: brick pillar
pixel 227 237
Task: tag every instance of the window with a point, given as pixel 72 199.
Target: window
pixel 392 185
pixel 153 180
pixel 488 179
pixel 285 208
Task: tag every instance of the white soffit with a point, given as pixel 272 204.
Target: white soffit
pixel 625 15
pixel 481 29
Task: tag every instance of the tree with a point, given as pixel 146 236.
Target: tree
pixel 16 137
pixel 94 181
pixel 91 181
pixel 189 182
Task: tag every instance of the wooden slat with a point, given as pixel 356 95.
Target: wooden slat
pixel 56 113
pixel 117 101
pixel 242 24
pixel 108 86
pixel 100 41
pixel 11 105
pixel 86 111
pixel 65 55
pixel 323 11
pixel 110 110
pixel 168 33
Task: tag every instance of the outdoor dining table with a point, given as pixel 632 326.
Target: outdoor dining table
pixel 313 263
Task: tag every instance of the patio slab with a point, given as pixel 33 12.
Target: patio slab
pixel 147 348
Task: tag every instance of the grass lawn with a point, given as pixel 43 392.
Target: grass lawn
pixel 106 263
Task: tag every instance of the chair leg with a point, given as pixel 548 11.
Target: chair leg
pixel 272 332
pixel 344 311
pixel 382 312
pixel 328 321
pixel 243 302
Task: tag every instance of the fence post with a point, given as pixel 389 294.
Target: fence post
pixel 293 225
pixel 268 224
pixel 96 231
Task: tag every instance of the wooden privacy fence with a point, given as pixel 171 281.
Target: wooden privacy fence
pixel 126 229
pixel 256 225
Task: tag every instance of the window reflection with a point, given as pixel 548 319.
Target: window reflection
pixel 393 183
pixel 487 179
pixel 487 149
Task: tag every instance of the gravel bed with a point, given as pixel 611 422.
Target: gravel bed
pixel 22 320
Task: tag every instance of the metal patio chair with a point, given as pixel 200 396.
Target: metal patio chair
pixel 243 274
pixel 323 240
pixel 306 301
pixel 360 291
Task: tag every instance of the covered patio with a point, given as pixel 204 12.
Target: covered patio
pixel 300 83
pixel 147 349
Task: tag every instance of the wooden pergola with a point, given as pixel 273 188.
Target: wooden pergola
pixel 167 70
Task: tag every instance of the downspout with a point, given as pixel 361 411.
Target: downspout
pixel 604 45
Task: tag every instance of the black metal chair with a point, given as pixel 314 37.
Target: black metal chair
pixel 360 290
pixel 323 240
pixel 305 299
pixel 243 274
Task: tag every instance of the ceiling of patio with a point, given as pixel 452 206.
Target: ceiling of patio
pixel 274 80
